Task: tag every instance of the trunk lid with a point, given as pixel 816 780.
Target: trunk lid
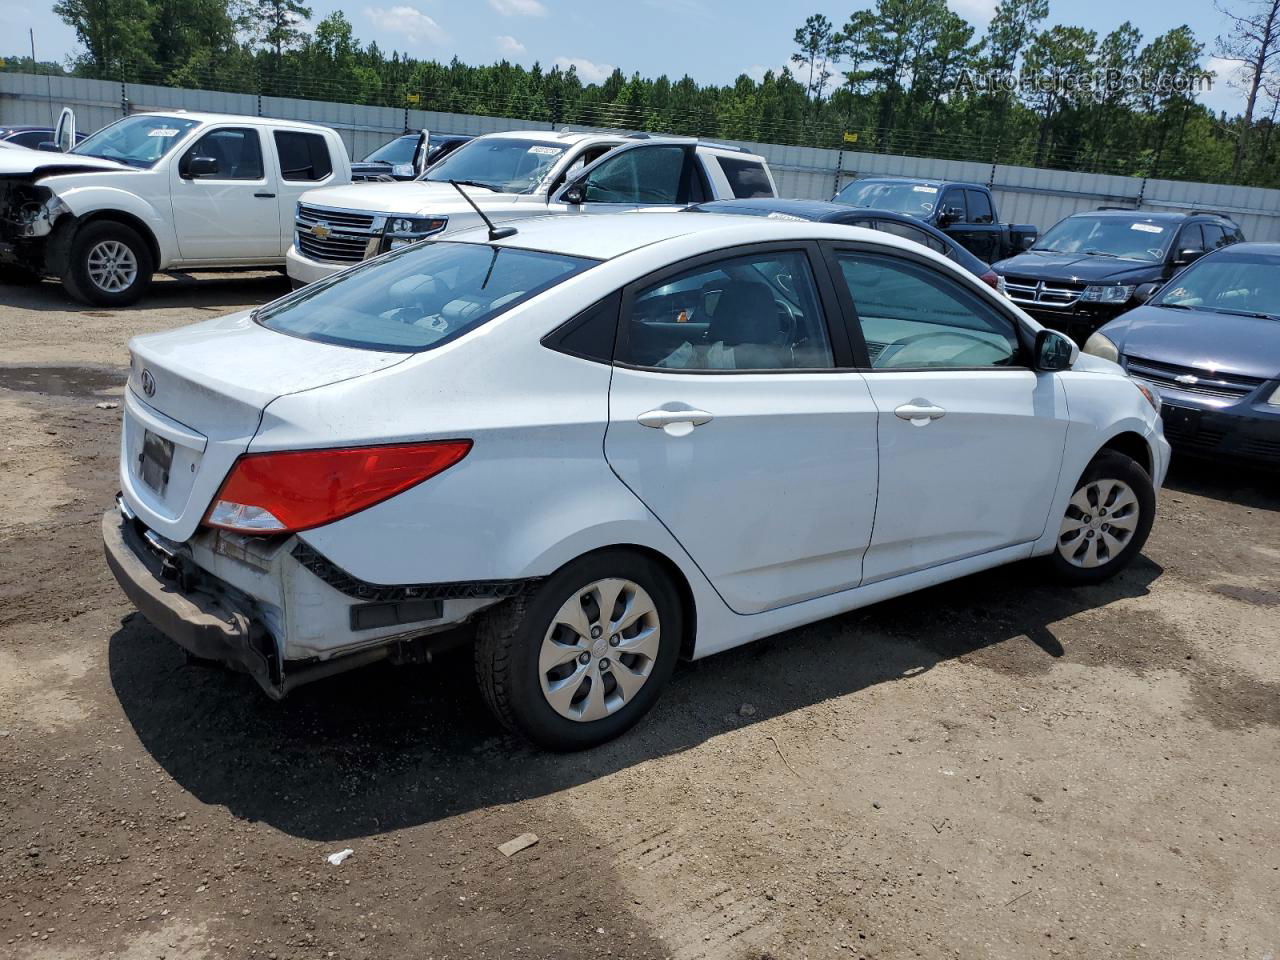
pixel 195 400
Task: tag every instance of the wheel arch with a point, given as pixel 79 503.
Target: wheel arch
pixel 128 220
pixel 1132 445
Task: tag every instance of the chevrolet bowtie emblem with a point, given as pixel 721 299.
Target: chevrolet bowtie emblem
pixel 321 230
pixel 1187 378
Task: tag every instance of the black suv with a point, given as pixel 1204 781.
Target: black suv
pixel 1092 267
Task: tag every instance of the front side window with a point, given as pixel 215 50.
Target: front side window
pixel 747 178
pixel 912 317
pixel 237 151
pixel 953 204
pixel 138 141
pixel 641 175
pixel 1214 236
pixel 303 156
pixel 500 164
pixel 418 296
pixel 1228 282
pixel 755 312
pixel 1191 238
pixel 1108 236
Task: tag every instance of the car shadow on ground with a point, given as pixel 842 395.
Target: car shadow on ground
pixel 206 290
pixel 384 748
pixel 1250 485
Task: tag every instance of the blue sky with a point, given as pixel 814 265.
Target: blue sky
pixel 711 40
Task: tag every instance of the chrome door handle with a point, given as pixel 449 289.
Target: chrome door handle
pixel 919 412
pixel 666 418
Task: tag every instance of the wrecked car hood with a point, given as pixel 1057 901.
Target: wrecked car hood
pixel 37 164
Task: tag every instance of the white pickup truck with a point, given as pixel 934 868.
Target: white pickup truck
pixel 514 175
pixel 161 191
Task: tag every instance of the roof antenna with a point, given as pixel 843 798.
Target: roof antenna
pixel 495 233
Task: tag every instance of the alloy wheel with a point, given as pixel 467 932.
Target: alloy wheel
pixel 1100 521
pixel 112 266
pixel 600 649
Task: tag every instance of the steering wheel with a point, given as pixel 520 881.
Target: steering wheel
pixel 892 354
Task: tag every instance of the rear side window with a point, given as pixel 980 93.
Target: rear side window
pixel 979 207
pixel 756 312
pixel 747 178
pixel 908 232
pixel 303 156
pixel 419 296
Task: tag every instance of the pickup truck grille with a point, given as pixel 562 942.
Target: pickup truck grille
pixel 1195 380
pixel 346 239
pixel 1057 294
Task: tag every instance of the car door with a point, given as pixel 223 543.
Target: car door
pixel 734 417
pixel 970 437
pixel 303 163
pixel 228 212
pixel 650 175
pixel 981 227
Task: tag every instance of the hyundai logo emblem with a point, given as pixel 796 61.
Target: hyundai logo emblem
pixel 148 383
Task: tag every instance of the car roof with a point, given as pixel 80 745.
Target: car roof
pixel 609 235
pixel 1266 248
pixel 230 118
pixel 1149 216
pixel 818 210
pixel 923 181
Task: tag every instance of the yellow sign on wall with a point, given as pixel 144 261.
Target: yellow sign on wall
pixel 850 137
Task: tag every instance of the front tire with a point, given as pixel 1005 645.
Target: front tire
pixel 109 265
pixel 586 655
pixel 1106 522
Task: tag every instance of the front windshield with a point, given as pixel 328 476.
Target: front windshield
pixel 399 150
pixel 915 199
pixel 418 296
pixel 1121 237
pixel 1236 283
pixel 503 164
pixel 139 140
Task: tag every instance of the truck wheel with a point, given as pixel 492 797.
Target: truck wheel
pixel 109 265
pixel 1106 522
pixel 586 655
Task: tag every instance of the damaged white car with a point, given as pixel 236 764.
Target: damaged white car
pixel 598 444
pixel 160 191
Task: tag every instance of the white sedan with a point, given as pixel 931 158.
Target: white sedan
pixel 605 443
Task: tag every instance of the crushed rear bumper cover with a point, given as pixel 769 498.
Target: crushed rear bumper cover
pixel 201 622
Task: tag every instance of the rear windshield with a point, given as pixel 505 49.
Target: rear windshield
pixel 399 150
pixel 419 296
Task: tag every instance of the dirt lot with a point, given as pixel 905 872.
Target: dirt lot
pixel 994 768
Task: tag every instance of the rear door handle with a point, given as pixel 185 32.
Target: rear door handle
pixel 675 422
pixel 919 412
pixel 266 196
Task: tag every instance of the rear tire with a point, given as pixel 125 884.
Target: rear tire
pixel 1106 522
pixel 561 670
pixel 109 265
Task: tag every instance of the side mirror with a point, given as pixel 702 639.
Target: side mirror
pixel 948 216
pixel 1187 256
pixel 1054 351
pixel 574 194
pixel 1027 243
pixel 201 167
pixel 1145 291
pixel 48 146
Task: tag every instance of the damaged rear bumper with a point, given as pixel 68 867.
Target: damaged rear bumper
pixel 202 623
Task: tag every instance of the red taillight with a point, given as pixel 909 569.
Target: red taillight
pixel 990 277
pixel 299 489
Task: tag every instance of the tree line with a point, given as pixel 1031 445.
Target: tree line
pixel 902 76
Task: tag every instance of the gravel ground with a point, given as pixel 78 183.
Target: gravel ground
pixel 994 768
